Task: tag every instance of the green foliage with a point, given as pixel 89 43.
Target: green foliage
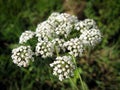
pixel 99 68
pixel 106 13
pixel 17 16
pixel 105 62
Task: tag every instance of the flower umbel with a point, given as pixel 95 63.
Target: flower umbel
pixel 63 67
pixel 45 49
pixel 90 37
pixel 74 46
pixel 22 56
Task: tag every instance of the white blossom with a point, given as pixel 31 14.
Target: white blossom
pixel 90 37
pixel 62 23
pixel 63 70
pixel 45 49
pixel 55 26
pixel 74 46
pixel 22 56
pixel 65 24
pixel 64 29
pixel 44 31
pixel 25 36
pixel 85 25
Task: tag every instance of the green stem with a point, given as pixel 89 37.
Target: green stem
pixel 73 84
pixel 56 51
pixel 81 81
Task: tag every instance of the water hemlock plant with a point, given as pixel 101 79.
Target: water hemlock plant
pixel 63 37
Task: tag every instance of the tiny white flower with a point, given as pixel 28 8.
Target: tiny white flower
pixel 61 77
pixel 59 70
pixel 55 73
pixel 65 73
pixel 56 68
pixel 58 65
pixel 63 69
pixel 66 66
pixel 51 65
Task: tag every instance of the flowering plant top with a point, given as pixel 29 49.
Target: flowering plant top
pixel 62 35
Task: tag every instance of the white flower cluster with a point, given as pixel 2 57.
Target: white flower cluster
pixel 44 31
pixel 22 56
pixel 74 46
pixel 90 34
pixel 90 37
pixel 25 36
pixel 55 26
pixel 58 35
pixel 45 49
pixel 85 25
pixel 63 67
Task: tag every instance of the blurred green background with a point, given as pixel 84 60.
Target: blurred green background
pixel 100 69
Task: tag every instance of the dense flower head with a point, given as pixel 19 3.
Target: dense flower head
pixel 64 24
pixel 44 31
pixel 55 26
pixel 64 29
pixel 74 46
pixel 85 25
pixel 63 67
pixel 25 36
pixel 45 49
pixel 22 56
pixel 90 37
pixel 89 33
